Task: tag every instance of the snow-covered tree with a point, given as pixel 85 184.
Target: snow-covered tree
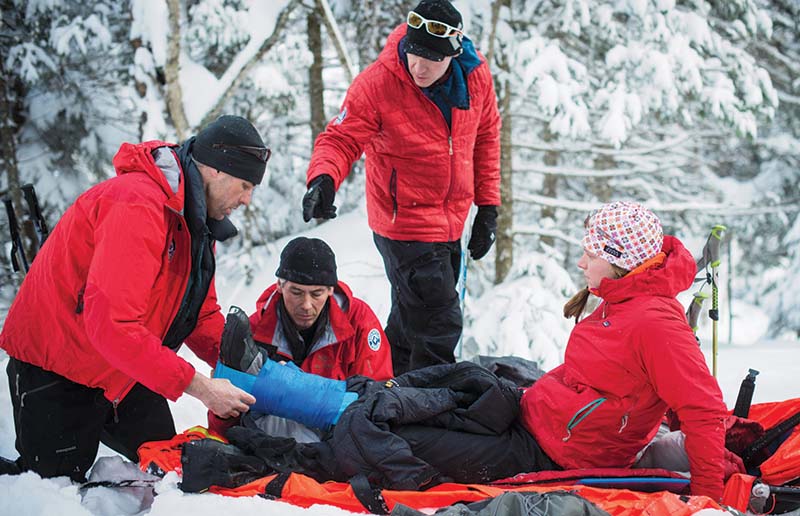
pixel 73 91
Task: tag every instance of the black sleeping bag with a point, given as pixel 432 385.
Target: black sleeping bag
pixel 450 422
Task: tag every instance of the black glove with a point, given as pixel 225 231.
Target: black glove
pixel 318 200
pixel 483 232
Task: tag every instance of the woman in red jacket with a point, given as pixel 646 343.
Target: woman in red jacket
pixel 631 359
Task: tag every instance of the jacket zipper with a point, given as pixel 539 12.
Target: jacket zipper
pixel 581 414
pixel 450 151
pixel 79 304
pixel 118 398
pixel 623 423
pixel 22 395
pixel 185 281
pixel 393 193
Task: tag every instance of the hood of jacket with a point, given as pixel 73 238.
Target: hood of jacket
pixel 669 279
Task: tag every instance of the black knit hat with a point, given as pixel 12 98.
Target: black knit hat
pixel 232 145
pixel 421 43
pixel 308 261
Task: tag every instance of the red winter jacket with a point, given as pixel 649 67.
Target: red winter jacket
pixel 107 284
pixel 353 343
pixel 421 176
pixel 625 364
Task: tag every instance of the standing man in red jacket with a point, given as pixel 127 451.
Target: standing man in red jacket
pixel 425 114
pixel 124 279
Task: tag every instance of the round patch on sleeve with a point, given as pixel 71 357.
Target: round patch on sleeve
pixel 374 339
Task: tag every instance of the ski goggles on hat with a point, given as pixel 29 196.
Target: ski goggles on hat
pixel 262 153
pixel 434 28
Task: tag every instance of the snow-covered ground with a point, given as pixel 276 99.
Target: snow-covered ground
pixel 361 267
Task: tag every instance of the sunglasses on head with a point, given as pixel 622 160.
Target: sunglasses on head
pixel 262 153
pixel 434 28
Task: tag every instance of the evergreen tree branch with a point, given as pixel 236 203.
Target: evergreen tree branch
pixel 266 46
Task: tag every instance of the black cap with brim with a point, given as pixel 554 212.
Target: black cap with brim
pixel 216 146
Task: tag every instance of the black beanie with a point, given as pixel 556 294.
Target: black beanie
pixel 217 146
pixel 308 261
pixel 420 43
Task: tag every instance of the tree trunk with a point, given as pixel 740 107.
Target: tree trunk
pixel 549 185
pixel 172 71
pixel 599 185
pixel 323 10
pixel 493 29
pixel 141 90
pixel 316 87
pixel 504 252
pixel 8 153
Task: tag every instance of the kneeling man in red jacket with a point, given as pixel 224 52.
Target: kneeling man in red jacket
pixel 126 277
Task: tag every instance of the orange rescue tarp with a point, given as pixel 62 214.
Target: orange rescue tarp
pixel 304 492
pixel 783 465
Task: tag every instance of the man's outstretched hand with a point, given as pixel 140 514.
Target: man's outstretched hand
pixel 220 396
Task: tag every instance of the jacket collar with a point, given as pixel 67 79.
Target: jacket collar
pixel 170 166
pixel 196 208
pixel 337 330
pixel 674 275
pixel 139 158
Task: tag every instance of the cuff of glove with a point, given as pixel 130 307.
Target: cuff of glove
pixel 324 181
pixel 488 209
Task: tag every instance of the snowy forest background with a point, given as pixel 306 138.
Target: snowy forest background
pixel 689 106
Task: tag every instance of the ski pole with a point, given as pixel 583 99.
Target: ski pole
pixel 462 294
pixel 462 291
pixel 461 286
pixel 18 259
pixel 39 222
pixel 714 240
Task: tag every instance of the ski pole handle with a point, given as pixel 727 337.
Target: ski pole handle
pixel 693 313
pixel 18 259
pixel 39 222
pixel 711 249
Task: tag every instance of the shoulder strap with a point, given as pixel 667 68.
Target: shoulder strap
pixel 751 453
pixel 370 497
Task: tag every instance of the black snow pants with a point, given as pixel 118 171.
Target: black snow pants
pixel 425 320
pixel 59 423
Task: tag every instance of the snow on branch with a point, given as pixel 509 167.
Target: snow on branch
pixel 338 41
pixel 715 208
pixel 540 231
pixel 242 65
pixel 588 172
pixel 647 148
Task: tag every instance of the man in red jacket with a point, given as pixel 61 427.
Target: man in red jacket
pixel 312 319
pixel 425 114
pixel 124 279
